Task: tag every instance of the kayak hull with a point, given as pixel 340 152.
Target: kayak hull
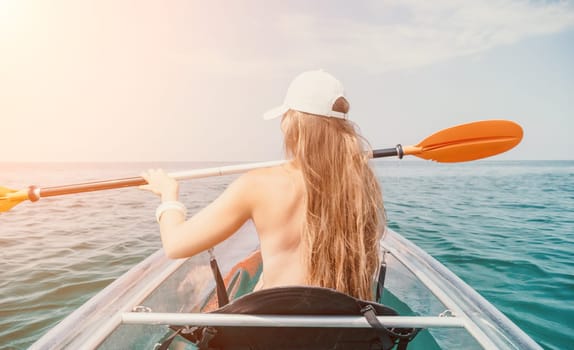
pixel 135 311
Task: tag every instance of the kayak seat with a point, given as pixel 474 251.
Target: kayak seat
pixel 304 301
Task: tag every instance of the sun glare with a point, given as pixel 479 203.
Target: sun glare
pixel 10 10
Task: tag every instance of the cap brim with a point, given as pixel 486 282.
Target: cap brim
pixel 275 112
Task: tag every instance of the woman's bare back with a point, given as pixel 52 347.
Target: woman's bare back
pixel 279 214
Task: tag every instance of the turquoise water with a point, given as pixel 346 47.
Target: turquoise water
pixel 506 228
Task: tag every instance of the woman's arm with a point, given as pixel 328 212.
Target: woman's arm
pixel 210 226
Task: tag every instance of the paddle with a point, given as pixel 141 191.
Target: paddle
pixel 460 143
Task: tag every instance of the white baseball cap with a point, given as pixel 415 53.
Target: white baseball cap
pixel 312 92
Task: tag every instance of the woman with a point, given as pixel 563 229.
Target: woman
pixel 319 217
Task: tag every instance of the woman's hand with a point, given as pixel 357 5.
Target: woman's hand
pixel 161 184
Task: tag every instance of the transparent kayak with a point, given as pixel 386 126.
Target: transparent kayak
pixel 136 310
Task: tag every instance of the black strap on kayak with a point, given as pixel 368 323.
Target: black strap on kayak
pixel 387 336
pixel 381 279
pixel 222 300
pixel 222 297
pixel 386 342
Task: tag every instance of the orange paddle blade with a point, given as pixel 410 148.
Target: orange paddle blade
pixel 468 142
pixel 9 198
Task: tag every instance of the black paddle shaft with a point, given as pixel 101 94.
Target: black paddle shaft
pixel 389 152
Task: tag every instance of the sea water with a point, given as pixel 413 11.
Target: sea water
pixel 505 227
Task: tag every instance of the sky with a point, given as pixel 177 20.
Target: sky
pixel 186 80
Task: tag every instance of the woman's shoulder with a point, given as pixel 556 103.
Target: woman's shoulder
pixel 263 175
pixel 269 177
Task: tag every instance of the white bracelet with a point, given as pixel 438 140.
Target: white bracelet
pixel 170 205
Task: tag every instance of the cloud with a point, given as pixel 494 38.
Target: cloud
pixel 430 31
pixel 391 35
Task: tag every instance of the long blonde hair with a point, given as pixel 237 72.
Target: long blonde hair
pixel 344 217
